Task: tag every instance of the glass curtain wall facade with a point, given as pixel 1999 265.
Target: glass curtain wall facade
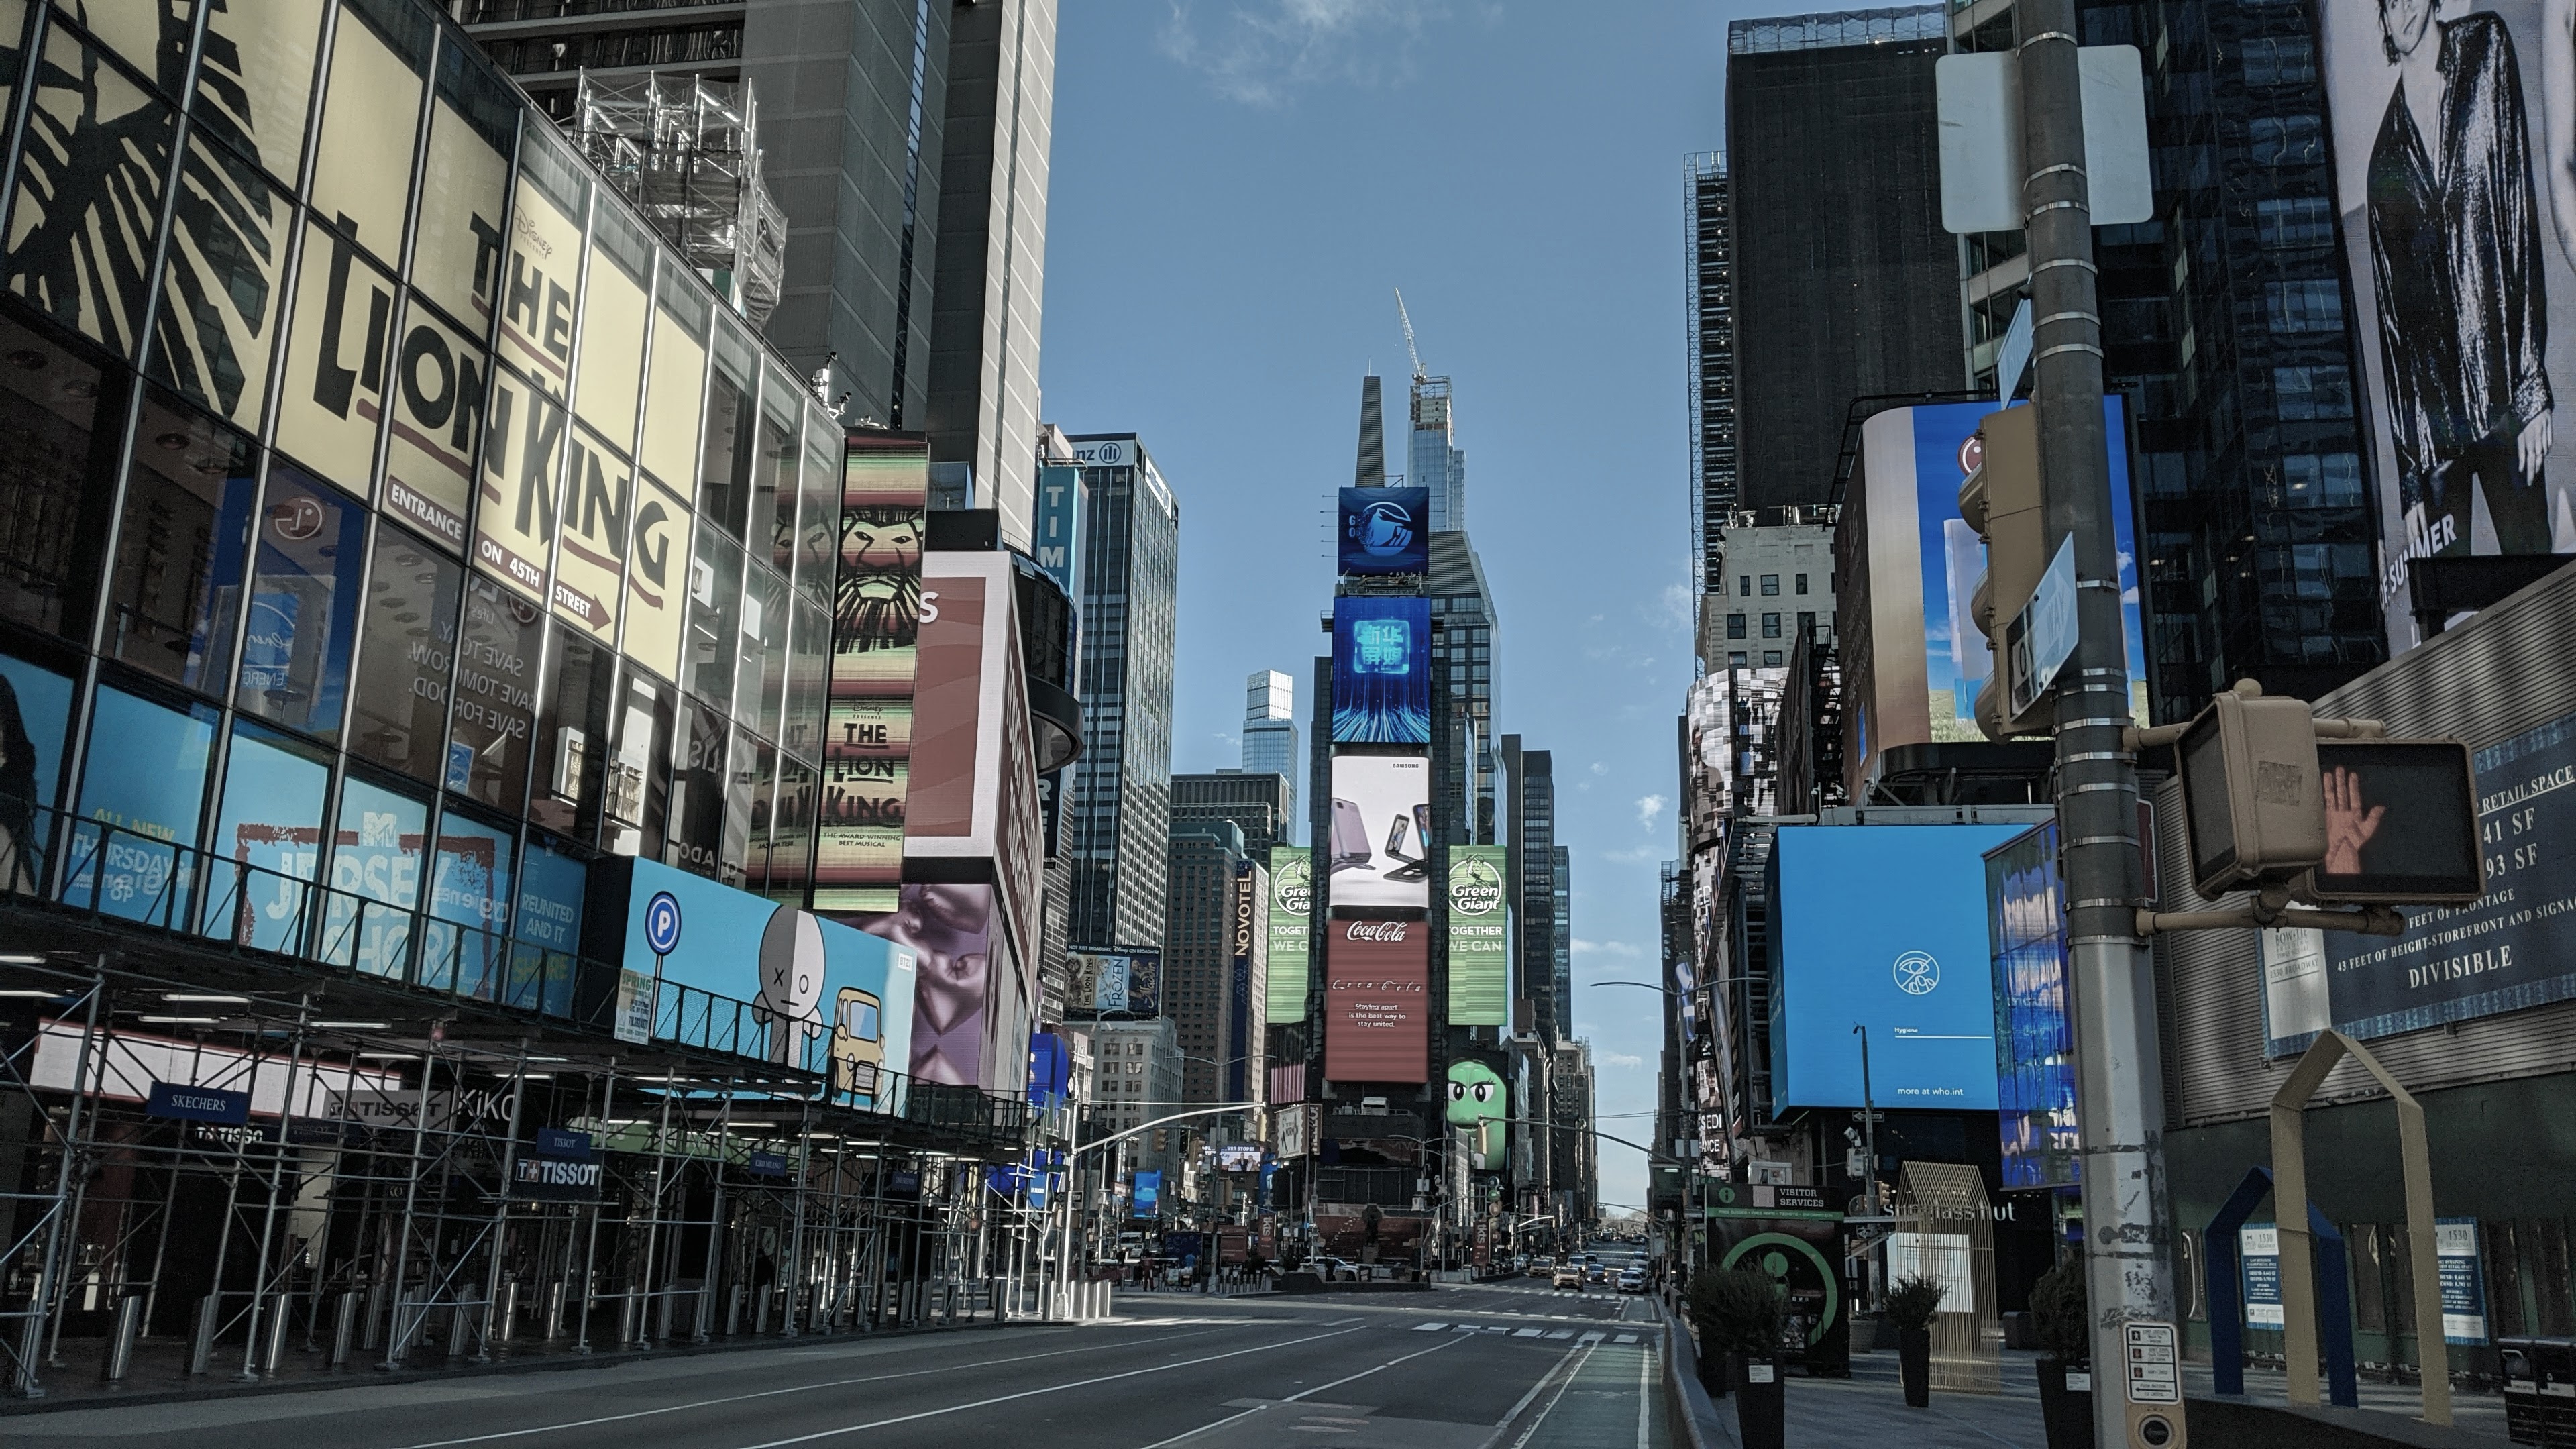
pixel 1119 814
pixel 383 505
pixel 1708 312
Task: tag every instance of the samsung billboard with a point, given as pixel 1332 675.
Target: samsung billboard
pixel 1883 927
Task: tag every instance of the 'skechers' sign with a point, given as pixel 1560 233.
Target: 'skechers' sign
pixel 196 1104
pixel 1377 987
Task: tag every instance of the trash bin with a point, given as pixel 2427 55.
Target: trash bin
pixel 2555 1360
pixel 2519 1380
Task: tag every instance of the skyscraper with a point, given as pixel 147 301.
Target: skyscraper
pixel 1218 1014
pixel 992 252
pixel 1531 863
pixel 1270 727
pixel 1371 472
pixel 1434 461
pixel 907 145
pixel 1708 266
pixel 1261 806
pixel 1119 810
pixel 1560 917
pixel 1462 655
pixel 1845 285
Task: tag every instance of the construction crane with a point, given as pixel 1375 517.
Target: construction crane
pixel 1418 374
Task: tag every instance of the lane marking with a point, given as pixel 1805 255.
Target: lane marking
pixel 1036 1393
pixel 1536 1384
pixel 1529 1333
pixel 1293 1398
pixel 1642 1360
pixel 774 1393
pixel 1562 1333
pixel 1595 1336
pixel 1579 1356
pixel 1625 1338
pixel 1430 1327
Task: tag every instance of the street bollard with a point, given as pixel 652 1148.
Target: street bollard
pixel 121 1338
pixel 201 1339
pixel 460 1329
pixel 667 1303
pixel 733 1311
pixel 344 1325
pixel 555 1309
pixel 371 1324
pixel 272 1349
pixel 505 1321
pixel 630 1319
pixel 760 1312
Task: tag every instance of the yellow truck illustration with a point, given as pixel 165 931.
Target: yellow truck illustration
pixel 858 1040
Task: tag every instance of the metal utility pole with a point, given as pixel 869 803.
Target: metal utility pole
pixel 2119 1087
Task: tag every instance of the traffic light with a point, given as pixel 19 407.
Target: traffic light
pixel 2002 501
pixel 2253 807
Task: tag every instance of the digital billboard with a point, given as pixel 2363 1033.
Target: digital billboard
pixel 1380 852
pixel 876 637
pixel 1382 671
pixel 827 996
pixel 2465 297
pixel 2514 947
pixel 1377 988
pixel 1292 903
pixel 1924 561
pixel 1386 531
pixel 1113 981
pixel 2034 1042
pixel 1479 938
pixel 1883 927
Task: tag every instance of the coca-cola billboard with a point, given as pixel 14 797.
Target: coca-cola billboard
pixel 1377 992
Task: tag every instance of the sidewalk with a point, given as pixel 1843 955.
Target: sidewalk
pixel 158 1374
pixel 1868 1409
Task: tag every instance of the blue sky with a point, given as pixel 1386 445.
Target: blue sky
pixel 1236 191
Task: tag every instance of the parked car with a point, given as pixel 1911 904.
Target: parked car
pixel 1566 1275
pixel 1337 1270
pixel 1538 1267
pixel 1632 1280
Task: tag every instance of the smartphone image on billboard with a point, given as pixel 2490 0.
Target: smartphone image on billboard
pixel 1350 838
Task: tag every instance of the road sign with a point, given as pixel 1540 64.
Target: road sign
pixel 2043 638
pixel 662 923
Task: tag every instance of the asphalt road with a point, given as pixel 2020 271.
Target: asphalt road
pixel 1457 1368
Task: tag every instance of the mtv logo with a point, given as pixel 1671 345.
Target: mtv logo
pixel 380 827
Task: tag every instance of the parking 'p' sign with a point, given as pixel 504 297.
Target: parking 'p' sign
pixel 662 923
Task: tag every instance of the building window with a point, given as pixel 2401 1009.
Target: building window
pixel 2282 61
pixel 1735 626
pixel 2312 480
pixel 1770 585
pixel 1802 583
pixel 1770 626
pixel 2305 306
pixel 1806 622
pixel 1735 660
pixel 1770 658
pixel 2287 140
pixel 1744 586
pixel 2294 221
pixel 2304 393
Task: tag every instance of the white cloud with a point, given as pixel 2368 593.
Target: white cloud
pixel 1633 855
pixel 1260 51
pixel 1605 948
pixel 1620 1059
pixel 1649 807
pixel 1599 768
pixel 1673 607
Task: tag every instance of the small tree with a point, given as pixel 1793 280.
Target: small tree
pixel 1736 1311
pixel 1913 1302
pixel 2060 1316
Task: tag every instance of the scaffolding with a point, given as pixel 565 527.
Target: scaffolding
pixel 686 151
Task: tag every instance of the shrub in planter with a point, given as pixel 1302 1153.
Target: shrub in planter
pixel 2063 1324
pixel 1737 1313
pixel 1911 1305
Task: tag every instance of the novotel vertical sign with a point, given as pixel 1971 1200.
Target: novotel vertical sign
pixel 1377 990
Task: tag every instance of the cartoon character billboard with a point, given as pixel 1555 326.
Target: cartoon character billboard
pixel 1479 1100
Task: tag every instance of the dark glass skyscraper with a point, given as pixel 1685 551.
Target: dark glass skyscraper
pixel 1708 266
pixel 1118 814
pixel 1845 285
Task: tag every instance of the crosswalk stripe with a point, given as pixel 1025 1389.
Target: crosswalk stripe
pixel 1430 1327
pixel 1530 1333
pixel 1562 1333
pixel 1464 1328
pixel 1625 1338
pixel 1498 1328
pixel 1593 1337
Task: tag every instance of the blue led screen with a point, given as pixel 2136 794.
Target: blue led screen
pixel 1382 671
pixel 1386 531
pixel 2034 1042
pixel 1883 926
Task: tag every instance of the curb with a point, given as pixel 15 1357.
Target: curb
pixel 362 1377
pixel 1689 1403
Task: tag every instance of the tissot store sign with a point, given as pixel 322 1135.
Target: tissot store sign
pixel 1377 989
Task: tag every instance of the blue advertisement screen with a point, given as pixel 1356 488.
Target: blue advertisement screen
pixel 1386 531
pixel 2034 1041
pixel 1382 671
pixel 1883 927
pixel 822 992
pixel 1956 663
pixel 1149 1194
